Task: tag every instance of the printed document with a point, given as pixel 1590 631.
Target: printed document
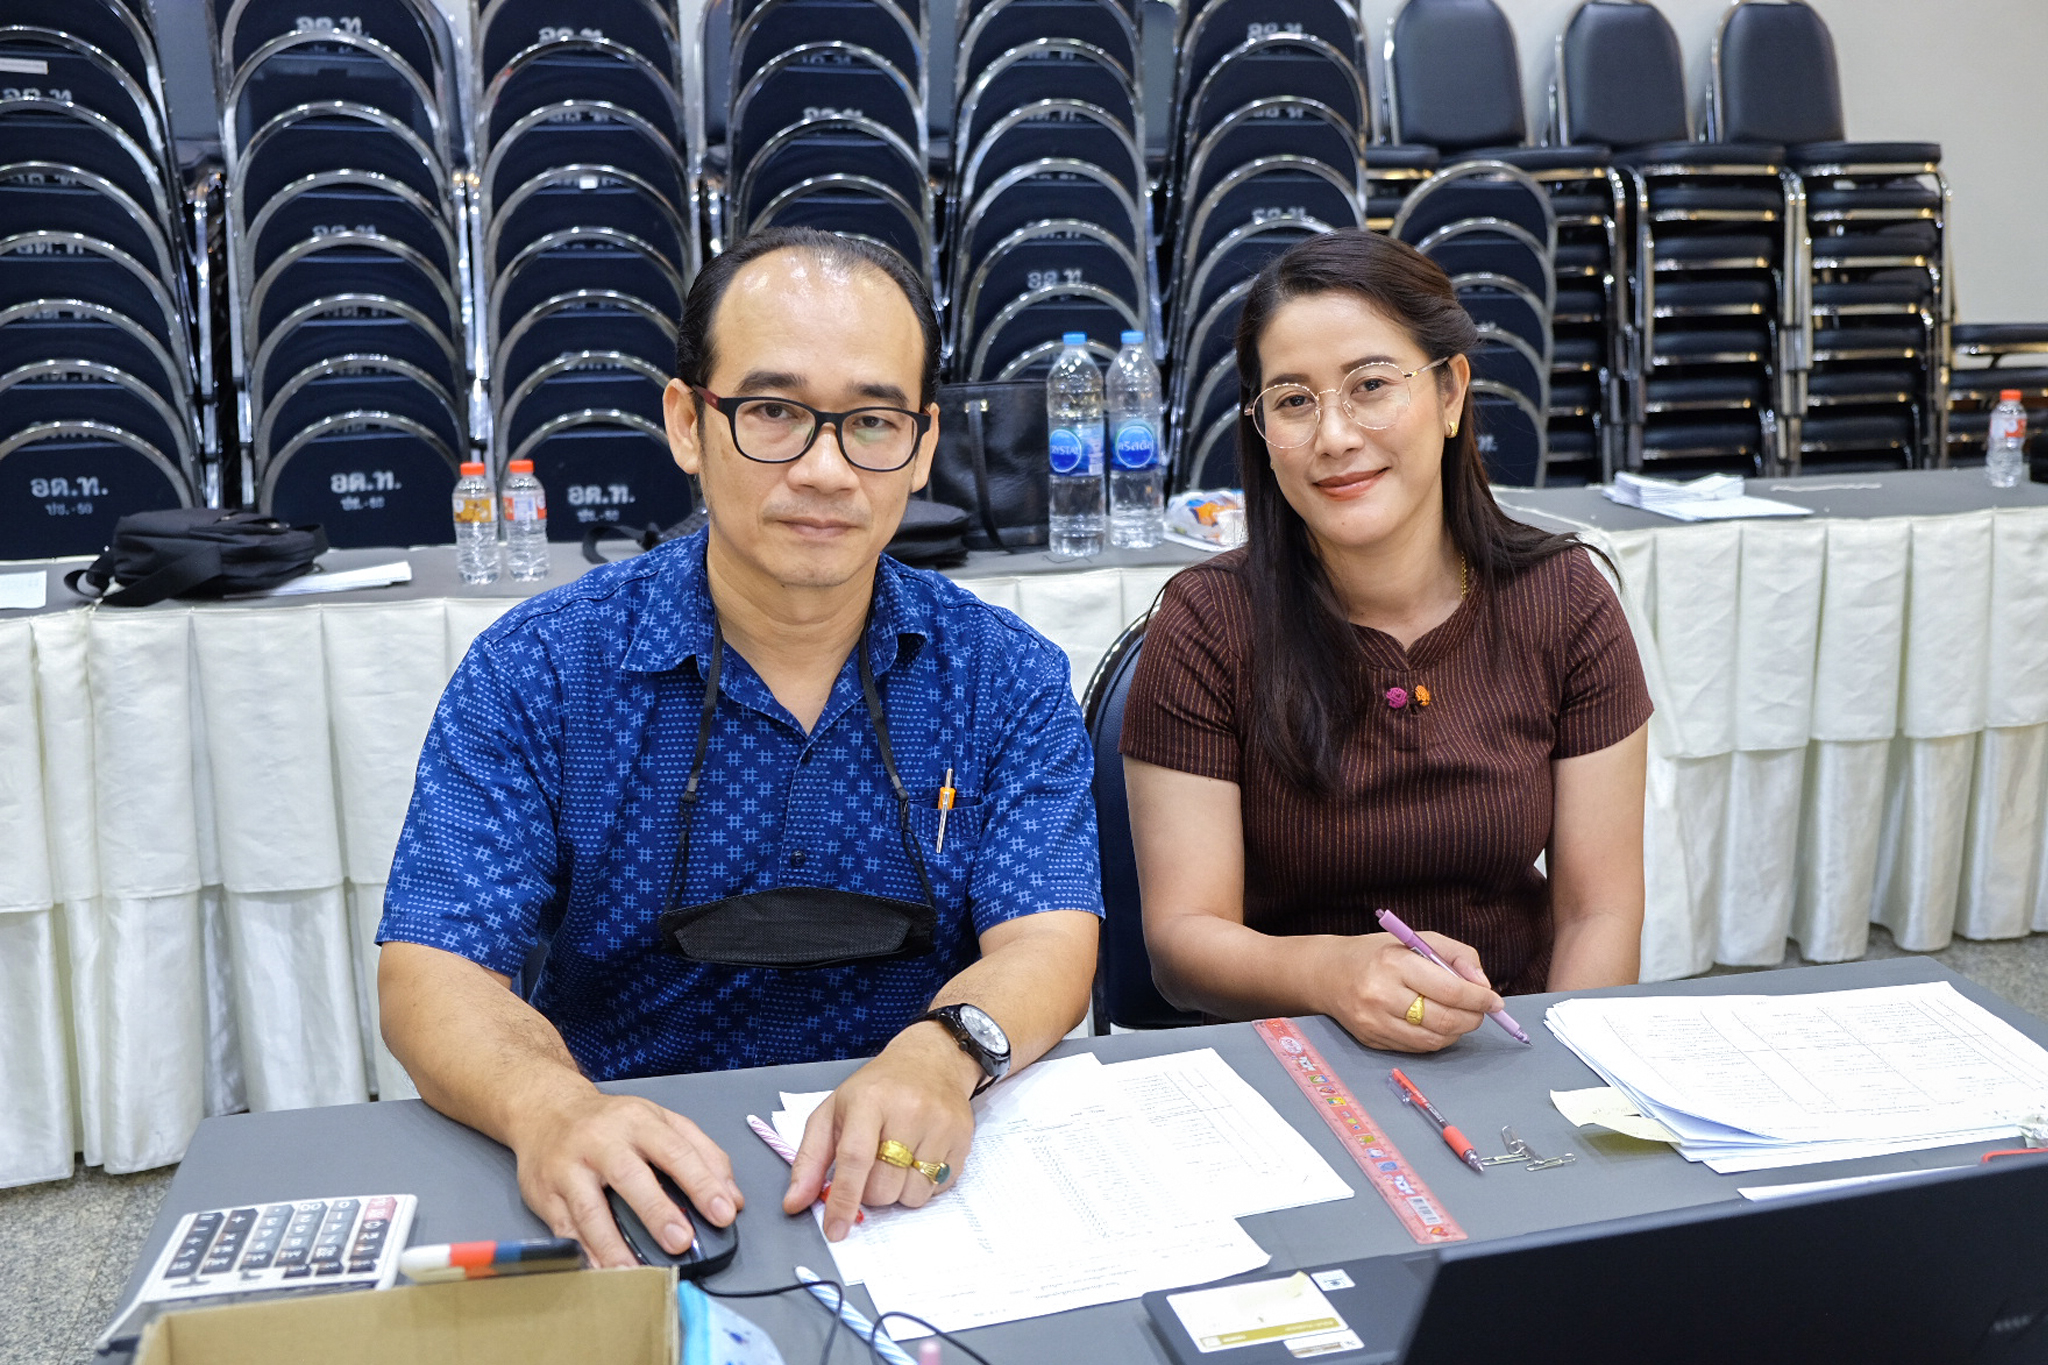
pixel 1062 1205
pixel 1241 1156
pixel 1753 1081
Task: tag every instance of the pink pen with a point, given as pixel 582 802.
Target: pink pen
pixel 766 1132
pixel 1391 922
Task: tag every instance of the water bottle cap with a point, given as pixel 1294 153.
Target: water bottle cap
pixel 1134 338
pixel 2008 395
pixel 473 469
pixel 1074 339
pixel 520 467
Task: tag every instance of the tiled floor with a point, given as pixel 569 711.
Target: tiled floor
pixel 66 1248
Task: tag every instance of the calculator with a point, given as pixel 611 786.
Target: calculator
pixel 221 1255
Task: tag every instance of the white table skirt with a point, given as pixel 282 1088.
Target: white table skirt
pixel 196 840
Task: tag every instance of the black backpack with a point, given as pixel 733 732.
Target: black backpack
pixel 196 552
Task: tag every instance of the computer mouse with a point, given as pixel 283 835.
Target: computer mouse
pixel 711 1250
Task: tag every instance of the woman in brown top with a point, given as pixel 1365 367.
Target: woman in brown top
pixel 1394 697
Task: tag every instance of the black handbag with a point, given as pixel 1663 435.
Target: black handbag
pixel 196 552
pixel 992 462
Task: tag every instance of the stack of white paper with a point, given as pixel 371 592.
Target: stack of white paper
pixel 1712 497
pixel 1075 1196
pixel 1750 1082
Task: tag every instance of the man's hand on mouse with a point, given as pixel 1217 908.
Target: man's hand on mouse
pixel 571 1148
pixel 916 1092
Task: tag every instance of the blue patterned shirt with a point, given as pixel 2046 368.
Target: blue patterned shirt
pixel 547 805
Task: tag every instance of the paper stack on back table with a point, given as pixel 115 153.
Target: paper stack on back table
pixel 1085 1187
pixel 1751 1082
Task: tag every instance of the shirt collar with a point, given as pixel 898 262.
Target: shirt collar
pixel 677 623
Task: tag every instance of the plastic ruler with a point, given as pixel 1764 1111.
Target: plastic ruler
pixel 1389 1172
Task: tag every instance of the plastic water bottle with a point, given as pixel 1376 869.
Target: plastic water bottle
pixel 476 526
pixel 1073 410
pixel 1137 491
pixel 2005 448
pixel 526 523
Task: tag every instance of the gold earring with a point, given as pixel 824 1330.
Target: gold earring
pixel 1451 430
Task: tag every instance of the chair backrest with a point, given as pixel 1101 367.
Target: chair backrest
pixel 1124 993
pixel 1775 78
pixel 1456 76
pixel 1620 76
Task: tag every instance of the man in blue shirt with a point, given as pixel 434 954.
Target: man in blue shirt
pixel 716 777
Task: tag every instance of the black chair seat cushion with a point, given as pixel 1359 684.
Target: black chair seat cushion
pixel 1570 442
pixel 1908 196
pixel 1711 198
pixel 1397 156
pixel 1534 159
pixel 1747 295
pixel 1988 384
pixel 1900 294
pixel 1712 344
pixel 1761 155
pixel 1806 154
pixel 1577 396
pixel 1996 334
pixel 1575 353
pixel 1882 429
pixel 1693 437
pixel 1719 390
pixel 1707 248
pixel 1842 385
pixel 1891 338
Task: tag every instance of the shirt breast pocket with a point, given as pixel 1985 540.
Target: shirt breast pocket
pixel 950 865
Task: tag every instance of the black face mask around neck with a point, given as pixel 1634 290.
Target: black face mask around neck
pixel 797 927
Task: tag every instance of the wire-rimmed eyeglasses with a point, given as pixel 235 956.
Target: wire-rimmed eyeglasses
pixel 1373 396
pixel 781 430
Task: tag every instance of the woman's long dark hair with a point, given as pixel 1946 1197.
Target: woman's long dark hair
pixel 1308 656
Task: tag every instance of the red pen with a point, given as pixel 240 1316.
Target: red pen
pixel 1453 1139
pixel 766 1132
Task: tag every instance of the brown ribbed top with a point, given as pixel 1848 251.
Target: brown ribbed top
pixel 1443 808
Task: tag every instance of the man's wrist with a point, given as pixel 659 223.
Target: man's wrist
pixel 932 1040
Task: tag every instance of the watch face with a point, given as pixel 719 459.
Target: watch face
pixel 985 1031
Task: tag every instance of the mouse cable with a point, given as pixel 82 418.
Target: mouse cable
pixel 958 1344
pixel 807 1290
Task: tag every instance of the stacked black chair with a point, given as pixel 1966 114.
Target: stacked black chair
pixel 1868 388
pixel 1269 148
pixel 1493 229
pixel 826 125
pixel 1974 390
pixel 98 413
pixel 1453 83
pixel 1699 345
pixel 348 273
pixel 1049 226
pixel 589 207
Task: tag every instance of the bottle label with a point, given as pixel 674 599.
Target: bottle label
pixel 1077 449
pixel 525 507
pixel 2008 425
pixel 473 509
pixel 1137 444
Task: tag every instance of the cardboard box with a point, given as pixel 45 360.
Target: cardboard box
pixel 620 1317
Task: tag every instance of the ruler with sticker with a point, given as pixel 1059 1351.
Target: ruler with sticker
pixel 1388 1171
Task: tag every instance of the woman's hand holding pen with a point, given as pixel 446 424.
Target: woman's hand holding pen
pixel 1370 984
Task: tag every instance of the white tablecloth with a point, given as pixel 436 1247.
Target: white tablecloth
pixel 198 805
pixel 1852 726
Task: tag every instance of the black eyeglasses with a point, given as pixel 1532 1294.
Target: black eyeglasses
pixel 780 430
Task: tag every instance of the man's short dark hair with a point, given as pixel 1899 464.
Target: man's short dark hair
pixel 693 339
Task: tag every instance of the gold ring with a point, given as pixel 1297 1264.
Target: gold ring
pixel 938 1172
pixel 1414 1015
pixel 896 1154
